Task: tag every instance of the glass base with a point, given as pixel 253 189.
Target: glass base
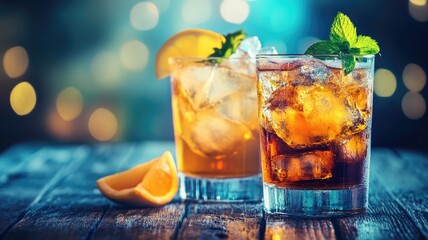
pixel 315 203
pixel 221 190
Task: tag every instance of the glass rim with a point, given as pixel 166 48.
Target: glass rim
pixel 208 58
pixel 284 55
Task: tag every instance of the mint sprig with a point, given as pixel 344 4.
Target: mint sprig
pixel 229 46
pixel 345 42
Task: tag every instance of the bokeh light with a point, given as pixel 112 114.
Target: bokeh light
pixel 15 61
pixel 234 11
pixel 144 16
pixel 102 124
pixel 418 2
pixel 413 105
pixel 418 11
pixel 134 55
pixel 105 68
pixel 287 18
pixel 69 103
pixel 385 83
pixel 414 77
pixel 23 98
pixel 162 5
pixel 196 11
pixel 59 128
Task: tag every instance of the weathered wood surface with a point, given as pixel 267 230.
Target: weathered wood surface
pixel 219 221
pixel 68 207
pixel 29 177
pixel 49 192
pixel 280 227
pixel 122 222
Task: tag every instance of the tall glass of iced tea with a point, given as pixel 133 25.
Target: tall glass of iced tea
pixel 214 104
pixel 315 125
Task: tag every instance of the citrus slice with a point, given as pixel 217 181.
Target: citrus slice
pixel 188 43
pixel 150 184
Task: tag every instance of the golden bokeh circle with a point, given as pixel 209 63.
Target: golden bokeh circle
pixel 23 98
pixel 103 124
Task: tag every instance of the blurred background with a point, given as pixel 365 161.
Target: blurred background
pixel 83 70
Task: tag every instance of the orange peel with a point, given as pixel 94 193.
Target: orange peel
pixel 151 184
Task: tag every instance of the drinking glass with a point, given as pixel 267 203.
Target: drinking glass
pixel 315 126
pixel 214 104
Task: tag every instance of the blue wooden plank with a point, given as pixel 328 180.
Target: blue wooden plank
pixel 13 159
pixel 122 222
pixel 72 206
pixel 406 177
pixel 222 220
pixel 280 227
pixel 28 182
pixel 385 218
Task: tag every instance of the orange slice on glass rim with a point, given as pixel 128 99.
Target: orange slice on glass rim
pixel 150 184
pixel 188 43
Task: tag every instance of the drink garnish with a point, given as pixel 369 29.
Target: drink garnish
pixel 345 42
pixel 229 46
pixel 198 43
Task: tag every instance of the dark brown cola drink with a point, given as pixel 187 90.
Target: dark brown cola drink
pixel 315 123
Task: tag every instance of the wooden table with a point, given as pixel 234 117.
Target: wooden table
pixel 49 192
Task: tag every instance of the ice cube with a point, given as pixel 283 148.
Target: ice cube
pixel 244 58
pixel 311 165
pixel 191 80
pixel 310 72
pixel 353 149
pixel 248 48
pixel 359 100
pixel 222 82
pixel 212 135
pixel 264 122
pixel 308 115
pixel 241 107
pixel 267 50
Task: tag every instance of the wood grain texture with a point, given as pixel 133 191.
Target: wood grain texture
pixel 72 205
pixel 13 159
pixel 49 192
pixel 281 227
pixel 405 175
pixel 385 217
pixel 30 172
pixel 222 220
pixel 143 223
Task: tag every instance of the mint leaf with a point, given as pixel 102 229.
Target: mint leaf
pixel 229 46
pixel 365 45
pixel 344 42
pixel 323 47
pixel 348 63
pixel 343 30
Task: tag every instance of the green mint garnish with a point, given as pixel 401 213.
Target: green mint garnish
pixel 229 46
pixel 345 42
pixel 365 45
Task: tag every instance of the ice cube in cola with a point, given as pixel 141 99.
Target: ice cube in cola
pixel 314 123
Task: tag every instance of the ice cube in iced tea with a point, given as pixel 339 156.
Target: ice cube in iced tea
pixel 215 120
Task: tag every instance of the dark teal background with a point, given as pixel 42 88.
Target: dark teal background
pixel 62 38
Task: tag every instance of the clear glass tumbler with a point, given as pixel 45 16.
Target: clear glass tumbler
pixel 315 126
pixel 214 104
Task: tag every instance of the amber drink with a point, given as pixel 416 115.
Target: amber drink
pixel 315 126
pixel 214 104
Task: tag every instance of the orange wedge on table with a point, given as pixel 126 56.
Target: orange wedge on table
pixel 188 43
pixel 150 184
